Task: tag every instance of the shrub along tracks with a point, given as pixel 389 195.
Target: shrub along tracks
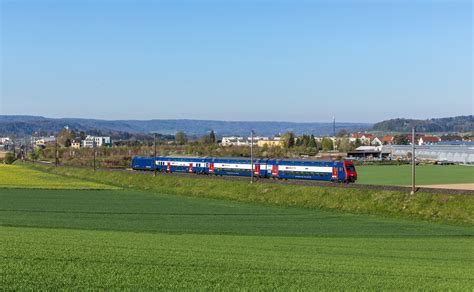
pixel 315 183
pixel 404 189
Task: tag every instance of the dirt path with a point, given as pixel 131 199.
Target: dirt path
pixel 469 186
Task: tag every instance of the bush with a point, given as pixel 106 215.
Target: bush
pixel 9 158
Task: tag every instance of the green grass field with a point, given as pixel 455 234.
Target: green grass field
pixel 425 174
pixel 437 207
pixel 14 176
pixel 129 239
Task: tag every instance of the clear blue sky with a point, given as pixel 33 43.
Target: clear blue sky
pixel 362 61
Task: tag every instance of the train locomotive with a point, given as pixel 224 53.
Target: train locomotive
pixel 335 171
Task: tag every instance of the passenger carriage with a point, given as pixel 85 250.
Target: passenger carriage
pixel 337 171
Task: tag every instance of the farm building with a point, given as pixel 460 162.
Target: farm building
pixel 370 153
pixel 440 153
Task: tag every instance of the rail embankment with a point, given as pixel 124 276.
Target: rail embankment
pixel 436 207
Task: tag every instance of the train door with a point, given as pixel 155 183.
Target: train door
pixel 190 169
pixel 334 173
pixel 211 167
pixel 256 170
pixel 275 170
pixel 342 172
pixel 168 167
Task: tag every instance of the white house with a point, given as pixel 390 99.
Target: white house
pixel 376 142
pixel 5 140
pixel 241 141
pixel 233 141
pixel 98 141
pixel 428 140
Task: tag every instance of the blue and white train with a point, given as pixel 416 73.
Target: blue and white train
pixel 336 171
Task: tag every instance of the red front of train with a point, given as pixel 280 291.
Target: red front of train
pixel 351 173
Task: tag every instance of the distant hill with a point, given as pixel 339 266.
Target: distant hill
pixel 453 124
pixel 26 125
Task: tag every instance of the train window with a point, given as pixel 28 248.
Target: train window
pixel 350 167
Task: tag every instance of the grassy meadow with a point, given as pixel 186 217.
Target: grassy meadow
pixel 425 174
pixel 15 176
pixel 150 234
pixel 427 206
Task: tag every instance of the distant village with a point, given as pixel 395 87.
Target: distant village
pixel 364 138
pixel 42 142
pixel 356 146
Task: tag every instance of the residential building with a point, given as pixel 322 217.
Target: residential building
pixel 428 140
pixel 451 138
pixel 43 141
pixel 275 142
pixel 75 144
pixel 376 142
pixel 4 143
pixel 365 139
pixel 5 140
pixel 241 141
pixel 233 141
pixel 387 140
pixel 96 141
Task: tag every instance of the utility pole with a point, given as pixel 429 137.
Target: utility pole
pixel 13 148
pixel 334 133
pixel 93 148
pixel 25 157
pixel 251 156
pixel 154 155
pixel 413 161
pixel 56 154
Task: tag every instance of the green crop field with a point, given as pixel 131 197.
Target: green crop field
pixel 425 174
pixel 130 239
pixel 439 207
pixel 13 176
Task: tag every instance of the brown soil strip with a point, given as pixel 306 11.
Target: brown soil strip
pixel 469 187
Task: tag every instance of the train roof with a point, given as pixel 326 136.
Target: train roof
pixel 245 158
